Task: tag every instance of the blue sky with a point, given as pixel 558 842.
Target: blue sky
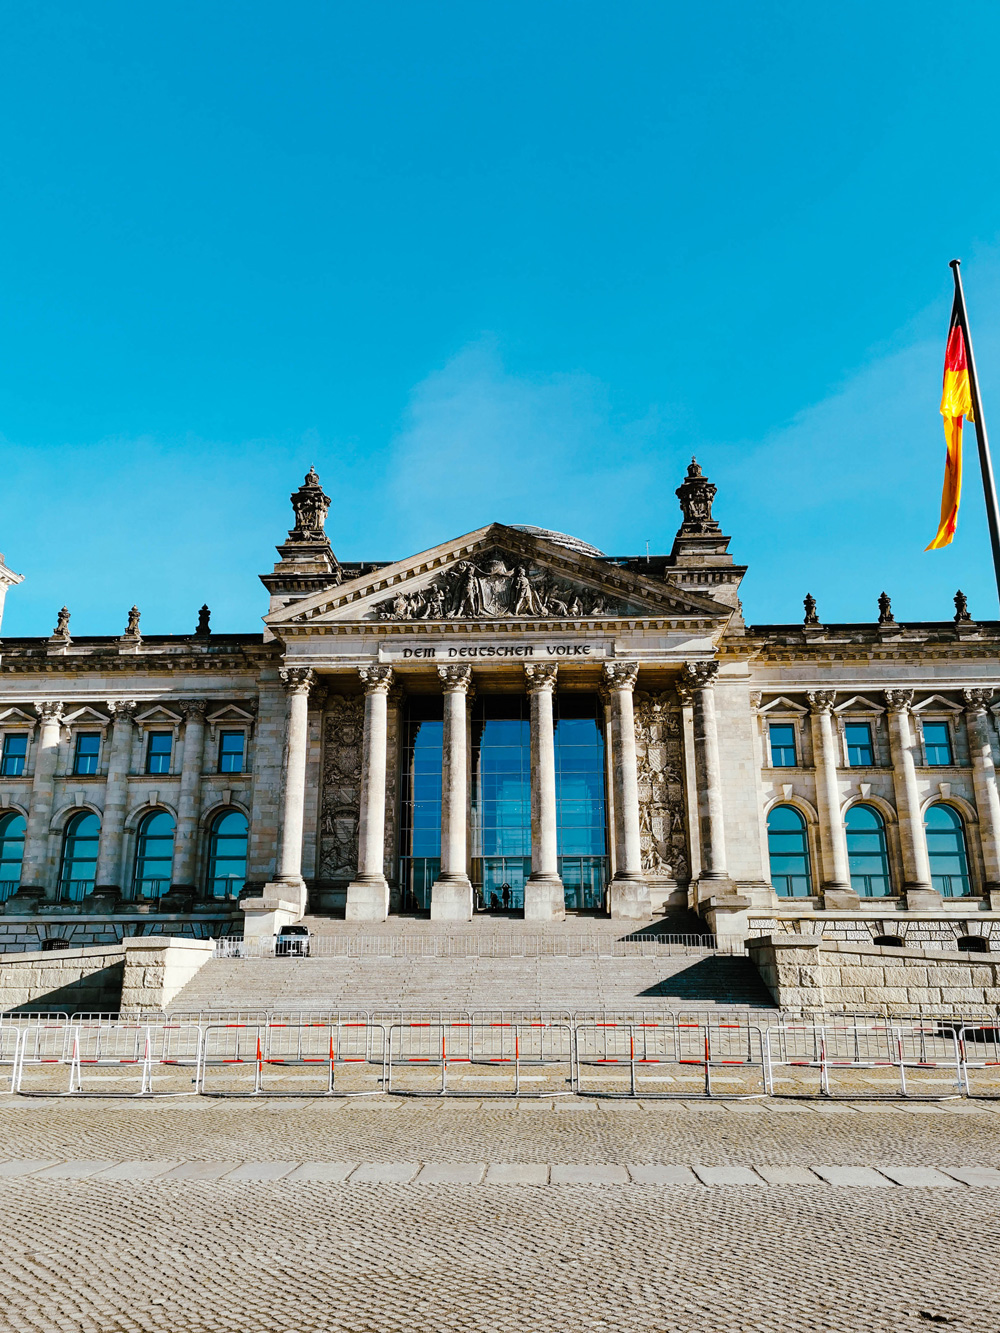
pixel 512 262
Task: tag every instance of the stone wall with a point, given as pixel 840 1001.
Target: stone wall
pixel 134 974
pixel 810 974
pixel 918 931
pixel 21 934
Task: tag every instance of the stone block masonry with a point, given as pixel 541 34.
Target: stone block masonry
pixel 135 975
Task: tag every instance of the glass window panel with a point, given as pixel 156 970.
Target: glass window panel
pixel 158 748
pixel 937 744
pixel 154 855
pixel 860 750
pixel 12 829
pixel 79 857
pixel 867 852
pixel 87 754
pixel 15 748
pixel 782 738
pixel 232 745
pixel 227 854
pixel 948 853
pixel 788 848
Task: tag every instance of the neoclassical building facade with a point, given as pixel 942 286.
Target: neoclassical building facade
pixel 510 722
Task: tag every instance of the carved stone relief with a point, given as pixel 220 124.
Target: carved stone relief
pixel 343 729
pixel 495 586
pixel 660 763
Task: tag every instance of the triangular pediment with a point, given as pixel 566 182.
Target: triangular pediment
pixel 159 716
pixel 86 716
pixel 497 573
pixel 16 716
pixel 230 713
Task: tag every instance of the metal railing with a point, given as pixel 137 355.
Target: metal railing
pixel 481 945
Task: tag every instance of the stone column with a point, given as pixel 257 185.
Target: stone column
pixel 984 779
pixel 368 892
pixel 110 849
pixel 628 891
pixel 288 886
pixel 189 798
pixel 451 892
pixel 836 874
pixel 34 870
pixel 699 678
pixel 920 893
pixel 544 898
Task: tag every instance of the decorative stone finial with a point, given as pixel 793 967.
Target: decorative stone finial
pixel 311 505
pixel 132 628
pixel 961 608
pixel 61 630
pixel 809 602
pixel 204 629
pixel 885 616
pixel 696 494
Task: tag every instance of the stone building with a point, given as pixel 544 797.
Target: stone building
pixel 511 721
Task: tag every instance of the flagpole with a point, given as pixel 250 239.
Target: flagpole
pixel 985 461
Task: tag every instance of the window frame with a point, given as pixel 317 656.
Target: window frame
pixel 860 721
pixel 76 817
pixel 214 820
pixel 15 733
pixel 86 734
pixel 887 851
pixel 969 877
pixel 150 772
pixel 223 731
pixel 781 721
pixel 810 858
pixel 7 816
pixel 945 721
pixel 138 854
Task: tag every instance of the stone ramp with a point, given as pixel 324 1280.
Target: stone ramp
pixel 702 980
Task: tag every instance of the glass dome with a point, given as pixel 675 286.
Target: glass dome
pixel 561 538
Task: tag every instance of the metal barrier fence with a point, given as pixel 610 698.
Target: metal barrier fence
pixel 478 946
pixel 499 1054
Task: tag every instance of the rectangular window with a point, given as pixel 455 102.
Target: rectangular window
pixel 158 749
pixel 860 751
pixel 937 745
pixel 15 748
pixel 782 738
pixel 231 745
pixel 87 754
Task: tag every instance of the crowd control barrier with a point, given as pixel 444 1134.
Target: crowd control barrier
pixel 979 1052
pixel 670 1059
pixel 482 1058
pixel 863 1062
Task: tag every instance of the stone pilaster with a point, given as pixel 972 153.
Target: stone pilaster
pixel 920 893
pixel 35 865
pixel 984 778
pixel 110 871
pixel 836 874
pixel 544 898
pixel 451 893
pixel 368 892
pixel 189 798
pixel 628 890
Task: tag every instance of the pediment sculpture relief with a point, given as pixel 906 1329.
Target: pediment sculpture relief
pixel 490 588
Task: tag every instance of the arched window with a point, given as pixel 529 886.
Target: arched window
pixel 888 941
pixel 973 944
pixel 79 858
pixel 11 853
pixel 947 851
pixel 154 855
pixel 867 853
pixel 788 846
pixel 227 854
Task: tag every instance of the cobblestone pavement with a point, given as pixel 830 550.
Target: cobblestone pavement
pixel 409 1216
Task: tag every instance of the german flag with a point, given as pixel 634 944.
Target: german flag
pixel 956 403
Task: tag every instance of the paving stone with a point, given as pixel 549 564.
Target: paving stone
pixel 74 1170
pixel 385 1173
pixel 25 1167
pixel 979 1176
pixel 656 1174
pixel 851 1175
pixel 260 1171
pixel 587 1175
pixel 137 1170
pixel 323 1172
pixel 788 1175
pixel 917 1177
pixel 727 1175
pixel 451 1173
pixel 517 1173
pixel 201 1170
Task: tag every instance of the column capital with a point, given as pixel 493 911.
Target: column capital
pixel 821 701
pixel 899 701
pixel 297 680
pixel 455 679
pixel 621 675
pixel 699 675
pixel 977 700
pixel 50 710
pixel 376 679
pixel 193 710
pixel 540 677
pixel 123 708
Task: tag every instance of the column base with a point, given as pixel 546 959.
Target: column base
pixel 923 900
pixel 367 899
pixel 451 899
pixel 628 900
pixel 841 900
pixel 290 890
pixel 726 914
pixel 262 919
pixel 544 899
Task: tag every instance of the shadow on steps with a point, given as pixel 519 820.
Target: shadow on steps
pixel 720 979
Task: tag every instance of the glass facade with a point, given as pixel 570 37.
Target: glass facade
pixel 15 749
pixel 87 753
pixel 501 799
pixel 154 856
pixel 12 829
pixel 420 822
pixel 788 848
pixel 581 814
pixel 227 854
pixel 947 851
pixel 937 745
pixel 79 859
pixel 867 852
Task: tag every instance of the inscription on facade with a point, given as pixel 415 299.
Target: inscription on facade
pixel 536 651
